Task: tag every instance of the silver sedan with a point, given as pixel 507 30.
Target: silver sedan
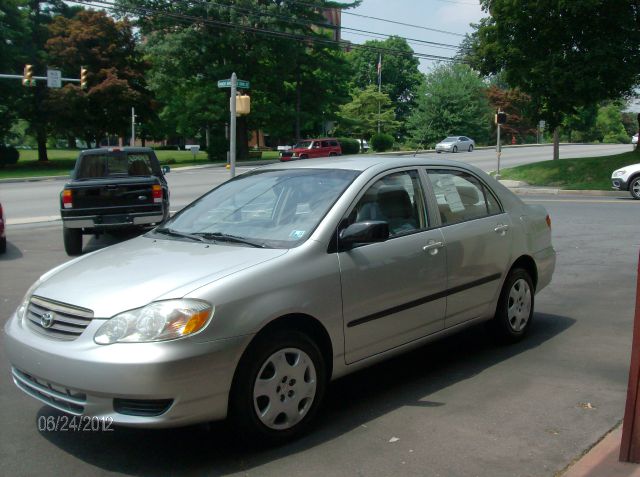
pixel 455 144
pixel 251 299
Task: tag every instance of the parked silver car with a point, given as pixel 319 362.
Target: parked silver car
pixel 247 302
pixel 455 144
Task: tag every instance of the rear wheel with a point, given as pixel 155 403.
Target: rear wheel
pixel 332 154
pixel 278 388
pixel 515 307
pixel 72 241
pixel 3 244
pixel 634 188
pixel 304 156
pixel 455 148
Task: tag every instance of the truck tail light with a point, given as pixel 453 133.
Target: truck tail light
pixel 156 193
pixel 67 199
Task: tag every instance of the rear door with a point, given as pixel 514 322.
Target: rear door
pixel 478 242
pixel 392 291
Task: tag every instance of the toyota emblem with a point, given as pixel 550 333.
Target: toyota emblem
pixel 47 319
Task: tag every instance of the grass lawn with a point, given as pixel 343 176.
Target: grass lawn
pixel 585 173
pixel 62 161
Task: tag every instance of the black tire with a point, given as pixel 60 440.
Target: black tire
pixel 470 147
pixel 438 152
pixel 502 325
pixel 304 156
pixel 243 416
pixel 455 149
pixel 72 241
pixel 635 184
pixel 332 154
pixel 3 245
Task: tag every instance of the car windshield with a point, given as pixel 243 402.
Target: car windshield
pixel 269 208
pixel 450 139
pixel 303 145
pixel 120 163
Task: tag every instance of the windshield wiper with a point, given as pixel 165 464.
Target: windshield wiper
pixel 220 237
pixel 175 233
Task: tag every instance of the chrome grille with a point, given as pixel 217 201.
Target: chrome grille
pixel 65 322
pixel 60 397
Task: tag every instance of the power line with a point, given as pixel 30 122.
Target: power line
pixel 344 12
pixel 190 19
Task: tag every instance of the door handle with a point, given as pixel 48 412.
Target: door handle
pixel 501 229
pixel 432 247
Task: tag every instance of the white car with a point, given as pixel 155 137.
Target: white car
pixel 627 178
pixel 455 144
pixel 634 139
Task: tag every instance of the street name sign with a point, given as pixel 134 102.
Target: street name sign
pixel 226 83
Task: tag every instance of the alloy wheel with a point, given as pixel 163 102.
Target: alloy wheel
pixel 635 188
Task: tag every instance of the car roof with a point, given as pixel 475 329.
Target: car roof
pixel 363 162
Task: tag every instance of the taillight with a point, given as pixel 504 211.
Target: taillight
pixel 548 221
pixel 156 193
pixel 67 199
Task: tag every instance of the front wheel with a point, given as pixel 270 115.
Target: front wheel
pixel 304 156
pixel 515 307
pixel 634 188
pixel 278 388
pixel 470 147
pixel 72 241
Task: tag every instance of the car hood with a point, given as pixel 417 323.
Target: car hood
pixel 134 273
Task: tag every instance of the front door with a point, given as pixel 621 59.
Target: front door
pixel 393 292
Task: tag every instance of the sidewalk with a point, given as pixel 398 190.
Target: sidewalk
pixel 602 460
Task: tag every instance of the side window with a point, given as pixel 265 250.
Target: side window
pixel 333 143
pixel 325 143
pixel 397 199
pixel 461 196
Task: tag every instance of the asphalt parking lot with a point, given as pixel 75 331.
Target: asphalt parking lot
pixel 459 407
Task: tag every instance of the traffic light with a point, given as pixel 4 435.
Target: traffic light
pixel 243 105
pixel 501 118
pixel 84 73
pixel 27 76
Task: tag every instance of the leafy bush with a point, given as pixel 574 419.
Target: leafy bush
pixel 9 155
pixel 349 146
pixel 381 142
pixel 167 148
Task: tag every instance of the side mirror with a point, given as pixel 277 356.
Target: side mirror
pixel 166 169
pixel 372 231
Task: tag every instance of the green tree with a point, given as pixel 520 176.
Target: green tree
pixel 399 72
pixel 564 54
pixel 368 109
pixel 609 124
pixel 452 101
pixel 295 81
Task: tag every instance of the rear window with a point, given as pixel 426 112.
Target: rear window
pixel 103 165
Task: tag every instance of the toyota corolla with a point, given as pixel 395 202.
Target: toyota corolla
pixel 250 300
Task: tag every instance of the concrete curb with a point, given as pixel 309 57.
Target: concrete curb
pixel 483 148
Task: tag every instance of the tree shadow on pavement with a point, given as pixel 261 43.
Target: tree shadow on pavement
pixel 352 401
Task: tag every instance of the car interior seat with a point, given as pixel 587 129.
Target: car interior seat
pixel 397 209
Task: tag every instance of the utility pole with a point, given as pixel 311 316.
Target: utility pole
pixel 232 139
pixel 498 151
pixel 379 87
pixel 133 127
pixel 501 118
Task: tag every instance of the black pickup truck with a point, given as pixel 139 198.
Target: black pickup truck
pixel 113 188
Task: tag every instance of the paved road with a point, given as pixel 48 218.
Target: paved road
pixel 459 407
pixel 38 201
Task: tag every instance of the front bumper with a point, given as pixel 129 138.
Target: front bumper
pixel 618 183
pixel 82 378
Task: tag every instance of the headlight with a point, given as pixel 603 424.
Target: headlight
pixel 619 173
pixel 159 321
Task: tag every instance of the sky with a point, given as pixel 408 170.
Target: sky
pixel 447 15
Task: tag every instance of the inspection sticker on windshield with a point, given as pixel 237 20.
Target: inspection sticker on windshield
pixel 296 234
